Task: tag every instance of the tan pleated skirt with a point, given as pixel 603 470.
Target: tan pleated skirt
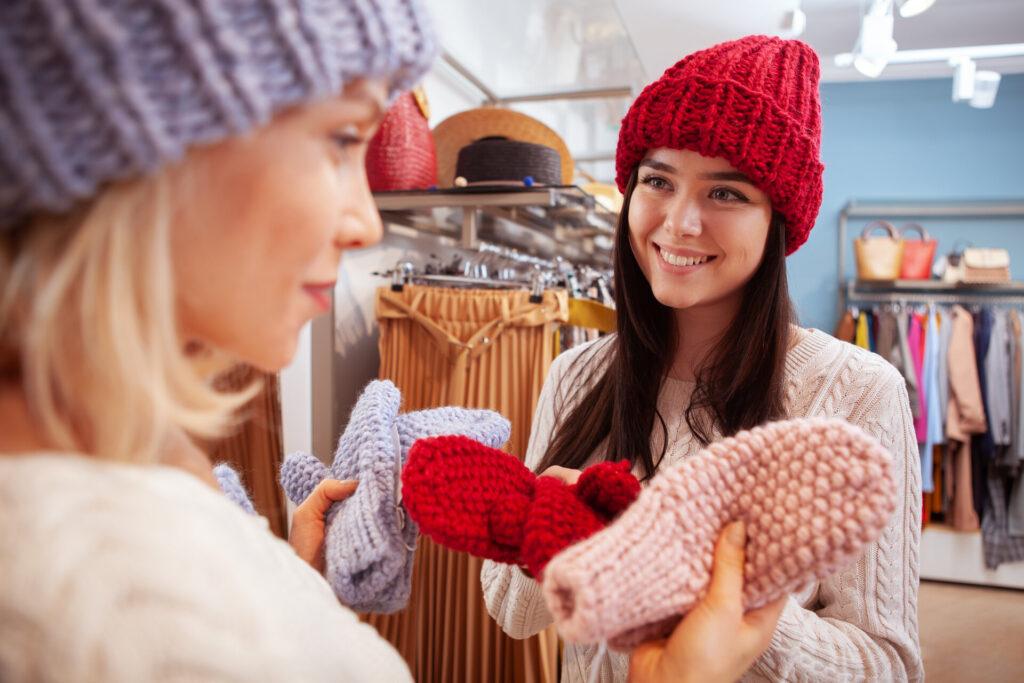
pixel 477 349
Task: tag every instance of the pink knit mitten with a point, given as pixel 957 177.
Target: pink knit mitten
pixel 812 492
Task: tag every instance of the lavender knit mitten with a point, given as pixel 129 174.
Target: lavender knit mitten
pixel 371 540
pixel 812 493
pixel 231 486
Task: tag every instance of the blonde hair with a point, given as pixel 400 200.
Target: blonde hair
pixel 88 325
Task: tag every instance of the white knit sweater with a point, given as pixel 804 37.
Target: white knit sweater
pixel 859 624
pixel 112 572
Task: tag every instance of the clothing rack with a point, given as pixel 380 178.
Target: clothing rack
pixel 405 273
pixel 477 271
pixel 1012 295
pixel 561 220
pixel 946 555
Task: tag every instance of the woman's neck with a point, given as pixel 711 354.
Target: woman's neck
pixel 20 435
pixel 698 330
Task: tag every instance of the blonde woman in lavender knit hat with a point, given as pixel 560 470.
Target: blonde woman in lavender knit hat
pixel 719 163
pixel 178 181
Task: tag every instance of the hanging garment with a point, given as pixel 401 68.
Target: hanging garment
pixel 938 496
pixel 965 417
pixel 591 315
pixel 983 449
pixel 256 449
pixel 873 332
pixel 1017 331
pixel 933 418
pixel 862 330
pixel 1000 547
pixel 846 330
pixel 949 460
pixel 886 341
pixel 945 333
pixel 1015 510
pixel 998 381
pixel 915 339
pixel 477 349
pixel 906 364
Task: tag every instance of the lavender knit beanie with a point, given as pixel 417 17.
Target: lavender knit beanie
pixel 370 542
pixel 93 92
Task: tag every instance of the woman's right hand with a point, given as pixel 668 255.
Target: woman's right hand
pixel 716 642
pixel 309 526
pixel 569 476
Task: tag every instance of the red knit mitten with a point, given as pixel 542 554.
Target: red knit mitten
pixel 479 500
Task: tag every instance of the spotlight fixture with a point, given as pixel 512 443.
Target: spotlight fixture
pixel 964 69
pixel 911 8
pixel 875 44
pixel 986 84
pixel 794 22
pixel 969 85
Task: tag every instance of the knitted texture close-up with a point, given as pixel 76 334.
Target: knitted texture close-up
pixel 753 102
pixel 479 500
pixel 95 92
pixel 813 492
pixel 231 486
pixel 370 541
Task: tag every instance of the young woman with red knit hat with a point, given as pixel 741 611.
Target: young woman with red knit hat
pixel 719 162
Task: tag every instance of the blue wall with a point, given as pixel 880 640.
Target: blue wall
pixel 907 140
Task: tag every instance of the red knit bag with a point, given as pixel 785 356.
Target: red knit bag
pixel 401 155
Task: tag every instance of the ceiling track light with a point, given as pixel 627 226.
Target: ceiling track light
pixel 986 84
pixel 794 22
pixel 911 8
pixel 964 69
pixel 875 43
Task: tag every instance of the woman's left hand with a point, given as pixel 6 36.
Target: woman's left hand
pixel 716 641
pixel 308 526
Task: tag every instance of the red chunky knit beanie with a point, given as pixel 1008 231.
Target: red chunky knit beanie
pixel 753 102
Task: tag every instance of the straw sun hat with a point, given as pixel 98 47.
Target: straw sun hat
pixel 460 130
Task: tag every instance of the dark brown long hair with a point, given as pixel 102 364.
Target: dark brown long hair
pixel 739 386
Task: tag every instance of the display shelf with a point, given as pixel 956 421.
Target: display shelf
pixel 885 209
pixel 932 291
pixel 546 221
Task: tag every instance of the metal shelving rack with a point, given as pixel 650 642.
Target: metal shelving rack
pixel 946 555
pixel 566 215
pixel 924 291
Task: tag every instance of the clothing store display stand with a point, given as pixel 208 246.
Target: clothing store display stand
pixel 924 291
pixel 564 220
pixel 946 555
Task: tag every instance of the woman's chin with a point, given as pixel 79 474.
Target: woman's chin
pixel 677 300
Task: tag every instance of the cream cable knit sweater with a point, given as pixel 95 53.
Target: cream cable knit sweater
pixel 859 624
pixel 130 573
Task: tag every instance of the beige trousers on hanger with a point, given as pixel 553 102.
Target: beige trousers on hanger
pixel 477 349
pixel 256 449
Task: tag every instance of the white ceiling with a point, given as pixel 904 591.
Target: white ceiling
pixel 663 31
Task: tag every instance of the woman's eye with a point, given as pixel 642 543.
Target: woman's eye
pixel 657 182
pixel 345 140
pixel 726 194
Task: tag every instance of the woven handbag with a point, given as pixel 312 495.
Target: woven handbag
pixel 879 258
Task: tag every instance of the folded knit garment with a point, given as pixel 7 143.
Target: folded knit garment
pixel 370 541
pixel 812 493
pixel 475 499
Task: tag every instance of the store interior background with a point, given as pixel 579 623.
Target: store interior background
pixel 899 137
